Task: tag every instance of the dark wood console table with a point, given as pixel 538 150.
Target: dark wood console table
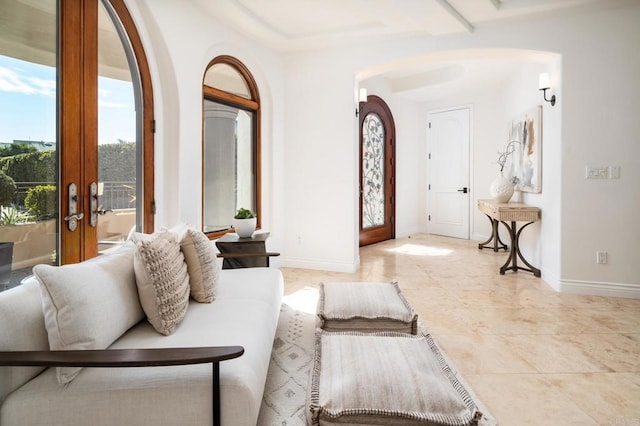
pixel 505 213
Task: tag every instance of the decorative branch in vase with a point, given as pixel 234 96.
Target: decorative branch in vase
pixel 501 188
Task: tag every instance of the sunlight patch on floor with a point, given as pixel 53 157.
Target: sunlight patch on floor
pixel 304 300
pixel 420 250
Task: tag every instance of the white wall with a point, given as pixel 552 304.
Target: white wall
pixel 180 40
pixel 598 124
pixel 310 131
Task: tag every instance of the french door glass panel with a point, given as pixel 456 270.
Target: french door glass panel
pixel 119 136
pixel 373 176
pixel 28 138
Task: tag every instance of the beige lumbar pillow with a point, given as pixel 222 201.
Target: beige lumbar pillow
pixel 89 305
pixel 162 280
pixel 202 265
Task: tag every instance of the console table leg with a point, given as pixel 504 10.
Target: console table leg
pixel 514 233
pixel 495 236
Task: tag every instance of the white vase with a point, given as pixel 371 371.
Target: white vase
pixel 245 227
pixel 501 189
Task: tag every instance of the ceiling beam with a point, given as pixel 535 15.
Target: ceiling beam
pixel 496 3
pixel 457 15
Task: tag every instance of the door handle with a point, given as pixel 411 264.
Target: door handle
pixel 464 190
pixel 73 217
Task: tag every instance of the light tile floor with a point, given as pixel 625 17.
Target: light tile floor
pixel 532 356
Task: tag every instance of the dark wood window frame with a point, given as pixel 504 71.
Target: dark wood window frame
pixel 253 105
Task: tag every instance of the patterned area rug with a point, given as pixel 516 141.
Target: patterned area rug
pixel 285 391
pixel 291 360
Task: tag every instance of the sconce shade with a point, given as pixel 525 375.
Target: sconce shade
pixel 363 95
pixel 544 82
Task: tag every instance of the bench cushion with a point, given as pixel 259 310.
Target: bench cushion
pixel 366 307
pixel 385 379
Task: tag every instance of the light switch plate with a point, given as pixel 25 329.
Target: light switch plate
pixel 596 172
pixel 614 172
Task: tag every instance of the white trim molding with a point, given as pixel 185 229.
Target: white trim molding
pixel 319 265
pixel 594 288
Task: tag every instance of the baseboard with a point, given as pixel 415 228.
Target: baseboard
pixel 479 237
pixel 594 288
pixel 320 265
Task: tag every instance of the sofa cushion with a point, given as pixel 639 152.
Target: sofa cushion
pixel 22 329
pixel 89 305
pixel 202 265
pixel 162 280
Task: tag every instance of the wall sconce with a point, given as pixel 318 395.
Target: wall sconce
pixel 544 84
pixel 362 97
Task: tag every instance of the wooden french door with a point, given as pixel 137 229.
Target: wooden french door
pixel 89 57
pixel 98 49
pixel 377 172
pixel 76 132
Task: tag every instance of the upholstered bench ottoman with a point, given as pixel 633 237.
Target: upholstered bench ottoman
pixel 366 307
pixel 385 379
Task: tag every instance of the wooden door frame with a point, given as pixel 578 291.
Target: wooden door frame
pixel 377 105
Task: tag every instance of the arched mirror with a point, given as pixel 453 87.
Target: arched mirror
pixel 230 144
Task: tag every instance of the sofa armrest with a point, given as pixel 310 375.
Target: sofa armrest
pixel 132 358
pixel 121 357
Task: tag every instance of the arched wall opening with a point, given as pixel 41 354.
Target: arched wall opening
pixel 498 85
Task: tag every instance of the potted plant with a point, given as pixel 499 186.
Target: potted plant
pixel 244 223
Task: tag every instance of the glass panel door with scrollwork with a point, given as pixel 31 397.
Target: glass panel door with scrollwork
pixel 373 174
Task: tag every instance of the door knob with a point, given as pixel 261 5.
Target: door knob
pixel 464 190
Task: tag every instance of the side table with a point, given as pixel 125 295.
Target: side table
pixel 244 252
pixel 512 212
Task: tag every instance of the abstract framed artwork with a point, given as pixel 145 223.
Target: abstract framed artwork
pixel 525 132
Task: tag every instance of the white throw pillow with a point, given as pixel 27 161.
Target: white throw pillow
pixel 162 280
pixel 202 264
pixel 89 305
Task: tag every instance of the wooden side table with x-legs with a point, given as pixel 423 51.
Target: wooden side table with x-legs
pixel 512 212
pixel 244 252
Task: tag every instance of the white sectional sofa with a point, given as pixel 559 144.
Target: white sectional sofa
pixel 244 313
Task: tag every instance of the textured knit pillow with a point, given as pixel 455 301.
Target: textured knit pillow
pixel 162 280
pixel 89 305
pixel 202 264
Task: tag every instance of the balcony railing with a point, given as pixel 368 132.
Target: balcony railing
pixel 115 195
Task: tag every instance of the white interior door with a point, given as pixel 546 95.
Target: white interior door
pixel 448 173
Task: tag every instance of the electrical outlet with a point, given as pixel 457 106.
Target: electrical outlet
pixel 601 257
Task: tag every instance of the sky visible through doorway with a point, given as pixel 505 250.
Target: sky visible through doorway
pixel 28 104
